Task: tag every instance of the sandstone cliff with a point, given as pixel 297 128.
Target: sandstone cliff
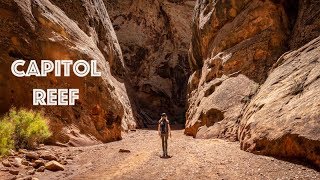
pixel 56 29
pixel 235 44
pixel 231 38
pixel 154 37
pixel 283 118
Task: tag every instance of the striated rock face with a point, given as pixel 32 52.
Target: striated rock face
pixel 283 119
pixel 233 94
pixel 218 107
pixel 56 30
pixel 238 39
pixel 154 37
pixel 307 24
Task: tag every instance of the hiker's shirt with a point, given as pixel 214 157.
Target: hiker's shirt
pixel 164 126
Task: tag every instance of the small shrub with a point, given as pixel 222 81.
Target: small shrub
pixel 297 88
pixel 28 129
pixel 6 134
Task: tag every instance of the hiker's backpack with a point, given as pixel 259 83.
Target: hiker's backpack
pixel 163 127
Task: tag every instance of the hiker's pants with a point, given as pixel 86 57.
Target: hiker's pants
pixel 164 138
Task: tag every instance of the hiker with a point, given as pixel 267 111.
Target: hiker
pixel 164 131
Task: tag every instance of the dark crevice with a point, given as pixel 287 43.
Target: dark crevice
pixel 167 25
pixel 291 8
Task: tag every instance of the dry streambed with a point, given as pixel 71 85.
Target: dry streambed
pixel 26 165
pixel 137 156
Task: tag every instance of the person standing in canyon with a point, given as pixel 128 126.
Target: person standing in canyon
pixel 164 131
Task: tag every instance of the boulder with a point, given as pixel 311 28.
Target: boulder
pixel 38 163
pixel 14 171
pixel 22 151
pixel 31 172
pixel 26 178
pixel 41 169
pixel 54 166
pixel 32 155
pixel 12 153
pixel 25 162
pixel 63 162
pixel 48 156
pixel 33 165
pixel 6 163
pixel 17 162
pixel 283 119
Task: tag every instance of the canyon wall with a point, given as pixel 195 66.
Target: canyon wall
pixel 245 86
pixel 57 30
pixel 154 36
pixel 234 44
pixel 148 77
pixel 283 118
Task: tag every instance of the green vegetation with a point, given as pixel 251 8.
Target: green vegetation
pixel 22 129
pixel 6 134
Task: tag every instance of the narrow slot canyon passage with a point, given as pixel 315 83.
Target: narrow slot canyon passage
pixel 154 38
pixel 238 80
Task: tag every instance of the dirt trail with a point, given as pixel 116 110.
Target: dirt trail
pixel 192 159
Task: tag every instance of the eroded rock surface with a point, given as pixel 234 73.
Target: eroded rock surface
pixel 307 24
pixel 283 119
pixel 218 106
pixel 154 37
pixel 238 39
pixel 55 30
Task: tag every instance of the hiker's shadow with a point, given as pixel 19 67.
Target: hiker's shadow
pixel 166 157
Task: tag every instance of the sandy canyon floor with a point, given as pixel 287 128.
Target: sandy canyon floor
pixel 191 159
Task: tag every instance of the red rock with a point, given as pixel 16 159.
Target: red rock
pixel 238 46
pixel 63 162
pixel 26 178
pixel 17 162
pixel 54 166
pixel 39 163
pixel 6 163
pixel 41 169
pixel 32 155
pixel 41 34
pixel 283 117
pixel 14 171
pixel 48 156
pixel 233 46
pixel 22 151
pixel 25 163
pixel 156 55
pixel 31 172
pixel 124 151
